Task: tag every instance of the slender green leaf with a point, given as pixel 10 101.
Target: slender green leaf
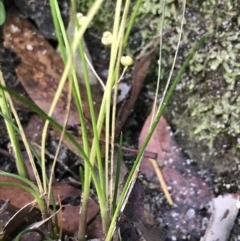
pixel 2 13
pixel 155 122
pixel 21 167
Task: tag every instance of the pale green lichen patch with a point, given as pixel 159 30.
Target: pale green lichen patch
pixel 216 110
pixel 205 106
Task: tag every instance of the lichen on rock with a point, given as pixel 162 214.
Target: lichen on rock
pixel 205 106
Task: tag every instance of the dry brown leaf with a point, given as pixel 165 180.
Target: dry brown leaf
pixel 70 217
pixel 189 192
pixel 20 205
pixel 41 68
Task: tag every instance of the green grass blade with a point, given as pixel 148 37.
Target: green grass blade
pixel 93 117
pixel 29 190
pixel 58 127
pixel 22 179
pixel 118 172
pixel 131 22
pixel 21 167
pixel 29 143
pixel 64 46
pixel 39 111
pixel 66 54
pixel 155 122
pixel 57 20
pixel 2 13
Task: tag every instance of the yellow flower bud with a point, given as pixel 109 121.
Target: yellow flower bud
pixel 79 15
pixel 106 34
pixel 126 61
pixel 107 38
pixel 81 19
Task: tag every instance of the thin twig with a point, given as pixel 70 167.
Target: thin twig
pixel 161 180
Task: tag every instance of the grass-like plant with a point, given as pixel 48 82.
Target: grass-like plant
pixel 90 151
